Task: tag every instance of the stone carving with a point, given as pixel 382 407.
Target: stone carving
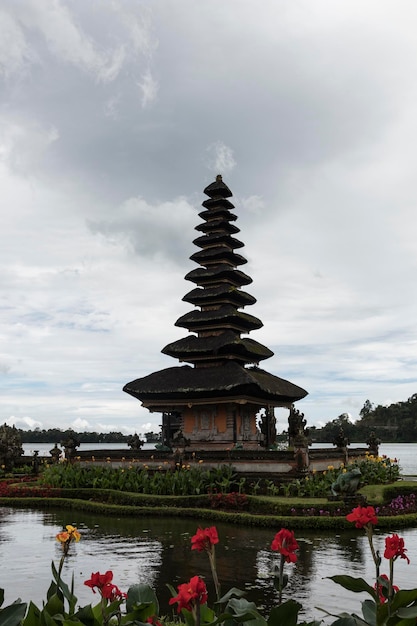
pixel 373 443
pixel 10 446
pixel 268 428
pixel 135 442
pixel 346 485
pixel 297 431
pixel 70 445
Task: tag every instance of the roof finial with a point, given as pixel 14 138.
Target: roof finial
pixel 219 178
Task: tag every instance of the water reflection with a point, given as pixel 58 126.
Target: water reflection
pixel 157 551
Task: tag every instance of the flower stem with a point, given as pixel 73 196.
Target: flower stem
pixel 281 578
pixel 212 559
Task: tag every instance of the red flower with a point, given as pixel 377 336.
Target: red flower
pixel 362 516
pixel 99 580
pixel 153 620
pixel 103 583
pixel 382 590
pixel 204 539
pixel 112 593
pixel 394 548
pixel 191 593
pixel 285 543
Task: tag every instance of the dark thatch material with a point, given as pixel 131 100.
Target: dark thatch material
pixel 218 212
pixel 231 380
pixel 217 254
pixel 227 344
pixel 224 317
pixel 217 238
pixel 218 225
pixel 224 294
pixel 218 189
pixel 219 273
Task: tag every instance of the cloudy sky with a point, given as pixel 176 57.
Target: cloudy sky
pixel 115 115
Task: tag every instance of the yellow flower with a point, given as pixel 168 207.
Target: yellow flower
pixel 68 535
pixel 330 468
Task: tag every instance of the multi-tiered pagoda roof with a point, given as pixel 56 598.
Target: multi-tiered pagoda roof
pixel 222 365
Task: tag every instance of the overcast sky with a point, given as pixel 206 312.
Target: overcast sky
pixel 115 115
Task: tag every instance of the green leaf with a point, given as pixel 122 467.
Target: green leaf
pixel 402 598
pixel 52 590
pixel 286 613
pixel 54 606
pixel 12 615
pixel 142 601
pixel 407 612
pixel 86 615
pixel 33 616
pixel 369 611
pixel 234 592
pixel 244 611
pixel 353 584
pixel 207 615
pixel 1 596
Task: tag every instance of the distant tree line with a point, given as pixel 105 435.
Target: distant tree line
pixel 396 423
pixel 56 435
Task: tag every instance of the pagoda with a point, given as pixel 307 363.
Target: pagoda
pixel 221 398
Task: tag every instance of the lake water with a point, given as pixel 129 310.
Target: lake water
pixel 158 551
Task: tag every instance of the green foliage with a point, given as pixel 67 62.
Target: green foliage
pixel 183 481
pixel 374 470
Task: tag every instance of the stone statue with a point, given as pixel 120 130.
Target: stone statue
pixel 373 443
pixel 296 427
pixel 268 427
pixel 70 445
pixel 347 484
pixel 55 453
pixel 341 441
pixel 10 446
pixel 135 442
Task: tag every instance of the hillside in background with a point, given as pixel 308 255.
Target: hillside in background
pixel 396 423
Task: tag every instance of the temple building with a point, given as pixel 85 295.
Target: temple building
pixel 221 398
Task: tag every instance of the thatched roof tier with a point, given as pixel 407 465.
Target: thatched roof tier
pixel 217 274
pixel 228 344
pixel 216 238
pixel 223 294
pixel 217 202
pixel 218 212
pixel 223 318
pixel 218 225
pixel 230 382
pixel 216 254
pixel 218 189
